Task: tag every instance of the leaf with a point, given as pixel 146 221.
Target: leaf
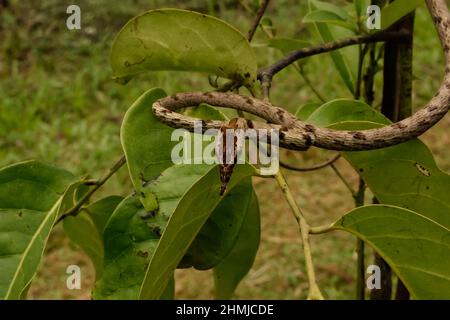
pixel 361 7
pixel 339 110
pixel 189 215
pixel 30 197
pixel 206 112
pixel 220 232
pixel 133 233
pixel 305 110
pixel 404 175
pixel 288 45
pixel 173 39
pixel 327 17
pixel 396 10
pixel 337 56
pixel 86 229
pixel 330 7
pixel 229 273
pixel 416 247
pixel 146 141
pixel 129 238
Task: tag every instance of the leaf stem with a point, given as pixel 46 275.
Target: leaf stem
pixel 76 208
pixel 313 167
pixel 327 47
pixel 259 15
pixel 314 291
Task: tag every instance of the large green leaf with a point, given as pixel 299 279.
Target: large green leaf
pixel 337 56
pixel 129 238
pixel 305 110
pixel 86 229
pixel 230 271
pixel 404 175
pixel 416 247
pixel 31 194
pixel 396 10
pixel 189 215
pixel 133 233
pixel 220 232
pixel 145 140
pixel 173 39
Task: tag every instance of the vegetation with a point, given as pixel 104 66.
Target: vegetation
pixel 59 104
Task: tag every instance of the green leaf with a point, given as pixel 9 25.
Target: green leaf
pixel 330 7
pixel 305 110
pixel 146 141
pixel 206 112
pixel 220 232
pixel 288 45
pixel 396 10
pixel 361 7
pixel 337 56
pixel 173 39
pixel 189 214
pixel 327 17
pixel 31 194
pixel 86 229
pixel 416 247
pixel 230 271
pixel 404 175
pixel 129 239
pixel 339 110
pixel 133 233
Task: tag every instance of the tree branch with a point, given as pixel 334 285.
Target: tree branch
pixel 314 291
pixel 257 20
pixel 270 71
pixel 311 168
pixel 76 208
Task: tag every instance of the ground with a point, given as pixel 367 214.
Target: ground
pixel 59 104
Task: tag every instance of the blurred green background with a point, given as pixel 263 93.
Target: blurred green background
pixel 59 104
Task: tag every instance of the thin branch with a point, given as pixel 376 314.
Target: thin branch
pixel 314 291
pixel 327 47
pixel 311 168
pixel 360 265
pixel 310 85
pixel 76 208
pixel 257 20
pixel 346 183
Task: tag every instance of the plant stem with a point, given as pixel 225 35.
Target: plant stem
pixel 313 167
pixel 257 20
pixel 314 291
pixel 327 47
pixel 359 196
pixel 360 266
pixel 338 173
pixel 76 208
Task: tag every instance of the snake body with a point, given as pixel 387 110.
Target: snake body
pixel 299 135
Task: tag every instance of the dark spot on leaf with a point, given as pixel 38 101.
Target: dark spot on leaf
pixel 157 231
pixel 142 254
pixel 147 215
pixel 19 214
pixel 361 170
